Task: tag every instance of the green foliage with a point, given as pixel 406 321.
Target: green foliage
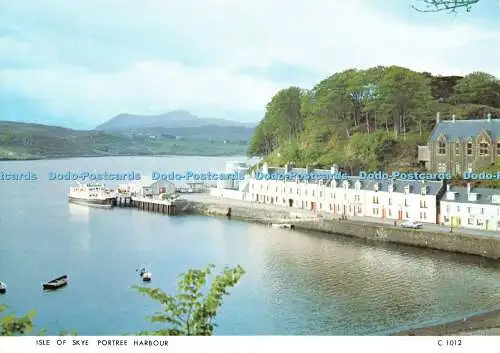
pixel 192 312
pixel 493 169
pixel 367 119
pixel 12 325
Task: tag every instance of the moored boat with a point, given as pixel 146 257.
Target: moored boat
pixel 91 194
pixel 145 275
pixel 56 283
pixel 3 288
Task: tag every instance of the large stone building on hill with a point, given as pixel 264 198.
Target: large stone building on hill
pixel 459 146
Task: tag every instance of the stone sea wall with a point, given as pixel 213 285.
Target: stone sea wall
pixel 485 246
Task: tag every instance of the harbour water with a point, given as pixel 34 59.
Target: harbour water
pixel 296 283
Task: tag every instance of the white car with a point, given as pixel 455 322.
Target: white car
pixel 411 224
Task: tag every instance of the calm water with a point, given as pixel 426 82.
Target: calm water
pixel 296 283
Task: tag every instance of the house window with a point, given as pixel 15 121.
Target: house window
pixel 313 193
pixel 484 148
pixel 446 219
pixel 320 206
pixel 330 207
pixel 267 188
pixel 423 215
pixel 291 191
pixel 390 212
pixel 407 214
pixel 321 194
pixel 482 210
pixel 470 221
pixel 276 189
pixel 359 209
pixel 406 203
pixel 390 201
pixel 305 192
pixel 298 191
pixel 375 211
pixel 261 187
pixel 441 147
pixel 423 191
pixel 448 208
pixel 468 210
pixel 458 208
pixel 479 222
pixel 457 148
pixel 457 168
pixel 423 204
pixel 375 199
pixel 469 148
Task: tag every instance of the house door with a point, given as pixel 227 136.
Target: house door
pixel 313 206
pixel 345 209
pixel 383 212
pixel 400 215
pixel 487 223
pixel 290 202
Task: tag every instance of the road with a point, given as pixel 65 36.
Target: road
pixel 326 215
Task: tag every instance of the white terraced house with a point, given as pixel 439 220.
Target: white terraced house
pixel 403 199
pixel 475 208
pixel 350 196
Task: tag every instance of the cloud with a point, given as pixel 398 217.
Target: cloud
pixel 101 57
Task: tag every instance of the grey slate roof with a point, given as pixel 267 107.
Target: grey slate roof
pixel 398 184
pixel 483 198
pixel 465 128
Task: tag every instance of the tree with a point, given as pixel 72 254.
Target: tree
pixel 478 88
pixel 12 325
pixel 446 5
pixel 192 312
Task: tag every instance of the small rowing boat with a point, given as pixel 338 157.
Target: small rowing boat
pixel 56 283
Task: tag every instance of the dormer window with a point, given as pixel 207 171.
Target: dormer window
pixel 358 185
pixel 484 148
pixel 376 186
pixel 391 187
pixel 346 185
pixel 424 190
pixel 407 189
pixel 469 148
pixel 334 183
pixel 441 147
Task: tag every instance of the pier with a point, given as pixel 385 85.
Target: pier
pixel 170 207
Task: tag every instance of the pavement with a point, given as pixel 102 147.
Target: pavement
pixel 203 197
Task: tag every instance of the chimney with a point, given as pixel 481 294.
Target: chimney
pixel 437 117
pixel 453 117
pixel 468 188
pixel 489 116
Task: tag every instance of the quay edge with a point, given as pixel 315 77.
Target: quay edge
pixel 458 242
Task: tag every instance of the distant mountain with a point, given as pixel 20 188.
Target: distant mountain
pixel 173 119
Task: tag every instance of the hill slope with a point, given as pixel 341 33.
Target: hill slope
pixel 36 141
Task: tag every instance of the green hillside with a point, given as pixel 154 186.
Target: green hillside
pixel 368 119
pixel 35 141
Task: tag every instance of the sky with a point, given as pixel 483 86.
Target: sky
pixel 78 63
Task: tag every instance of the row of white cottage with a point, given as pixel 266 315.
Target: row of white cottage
pixel 423 201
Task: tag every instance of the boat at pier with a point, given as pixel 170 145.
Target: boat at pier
pixel 92 194
pixel 55 283
pixel 3 288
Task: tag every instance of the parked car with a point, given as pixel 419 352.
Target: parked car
pixel 411 224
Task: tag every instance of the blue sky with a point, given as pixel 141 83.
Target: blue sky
pixel 78 63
